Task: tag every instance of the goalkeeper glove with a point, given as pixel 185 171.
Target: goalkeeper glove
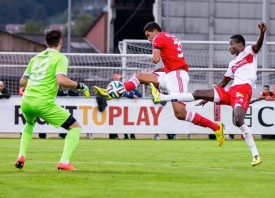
pixel 84 88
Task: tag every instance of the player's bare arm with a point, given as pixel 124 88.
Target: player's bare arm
pixel 161 69
pixel 256 47
pixel 156 56
pixel 201 103
pixel 225 80
pixel 65 82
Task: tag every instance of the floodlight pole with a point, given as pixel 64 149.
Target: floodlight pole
pixel 69 26
pixel 264 50
pixel 168 16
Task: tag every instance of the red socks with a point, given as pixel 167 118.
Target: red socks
pixel 204 122
pixel 129 85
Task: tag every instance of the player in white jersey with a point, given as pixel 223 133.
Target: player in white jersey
pixel 243 68
pixel 243 72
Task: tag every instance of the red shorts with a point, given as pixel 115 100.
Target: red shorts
pixel 238 94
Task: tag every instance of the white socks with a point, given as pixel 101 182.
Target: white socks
pixel 249 139
pixel 184 97
pixel 135 81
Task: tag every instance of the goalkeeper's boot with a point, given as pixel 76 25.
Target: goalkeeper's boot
pixel 68 167
pixel 220 134
pixel 155 93
pixel 102 92
pixel 256 160
pixel 20 162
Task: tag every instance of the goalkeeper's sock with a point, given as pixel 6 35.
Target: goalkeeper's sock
pixel 71 141
pixel 131 84
pixel 26 138
pixel 249 140
pixel 184 97
pixel 197 119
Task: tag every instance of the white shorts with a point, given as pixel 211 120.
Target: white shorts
pixel 174 82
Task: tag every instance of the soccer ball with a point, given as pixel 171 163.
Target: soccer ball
pixel 116 89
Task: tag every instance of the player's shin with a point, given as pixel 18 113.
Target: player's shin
pixel 26 138
pixel 184 97
pixel 199 120
pixel 71 142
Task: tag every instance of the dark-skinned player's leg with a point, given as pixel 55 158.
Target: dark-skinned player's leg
pixel 239 115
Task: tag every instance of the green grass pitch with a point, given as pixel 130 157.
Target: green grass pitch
pixel 139 168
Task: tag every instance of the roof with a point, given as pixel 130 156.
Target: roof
pixel 95 22
pixel 24 38
pixel 78 44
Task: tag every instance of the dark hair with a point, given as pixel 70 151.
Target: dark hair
pixel 151 26
pixel 53 37
pixel 267 86
pixel 238 39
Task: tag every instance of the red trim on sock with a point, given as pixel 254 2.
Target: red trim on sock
pixel 129 85
pixel 204 122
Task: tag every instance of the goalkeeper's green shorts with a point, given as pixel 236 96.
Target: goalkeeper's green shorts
pixel 51 112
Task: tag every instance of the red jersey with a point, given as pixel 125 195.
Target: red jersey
pixel 267 96
pixel 171 51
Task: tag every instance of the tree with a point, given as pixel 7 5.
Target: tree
pixel 34 27
pixel 82 24
pixel 39 13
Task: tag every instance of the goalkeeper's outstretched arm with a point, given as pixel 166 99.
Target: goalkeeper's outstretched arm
pixel 65 82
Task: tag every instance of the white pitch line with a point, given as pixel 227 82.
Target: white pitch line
pixel 125 163
pixel 168 165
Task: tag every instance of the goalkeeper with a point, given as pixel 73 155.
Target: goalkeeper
pixel 41 80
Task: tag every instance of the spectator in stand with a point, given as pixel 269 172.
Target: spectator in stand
pixel 67 92
pixel 266 94
pixel 4 93
pixel 273 92
pixel 134 94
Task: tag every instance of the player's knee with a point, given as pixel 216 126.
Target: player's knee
pixel 196 92
pixel 70 123
pixel 138 75
pixel 30 123
pixel 180 115
pixel 238 121
pixel 75 125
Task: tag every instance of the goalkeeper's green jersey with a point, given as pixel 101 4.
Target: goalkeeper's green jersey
pixel 42 70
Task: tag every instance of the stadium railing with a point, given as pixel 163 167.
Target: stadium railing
pixel 208 61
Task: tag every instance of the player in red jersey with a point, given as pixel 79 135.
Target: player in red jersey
pixel 243 71
pixel 174 77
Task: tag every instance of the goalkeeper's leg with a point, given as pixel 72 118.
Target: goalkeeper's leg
pixel 25 140
pixel 71 142
pixel 57 116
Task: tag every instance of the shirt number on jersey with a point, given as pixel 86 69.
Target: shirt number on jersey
pixel 39 71
pixel 179 48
